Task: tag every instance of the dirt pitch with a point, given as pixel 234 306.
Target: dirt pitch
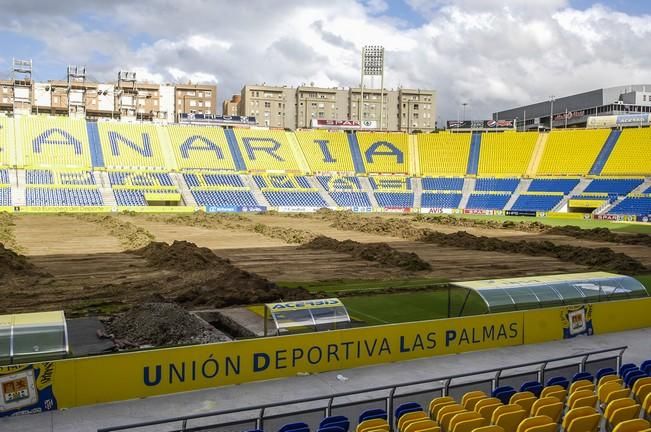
pixel 87 266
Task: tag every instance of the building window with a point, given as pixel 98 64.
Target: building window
pixel 415 106
pixel 415 115
pixel 206 104
pixel 267 104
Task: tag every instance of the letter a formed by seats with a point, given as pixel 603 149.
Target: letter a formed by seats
pixel 384 152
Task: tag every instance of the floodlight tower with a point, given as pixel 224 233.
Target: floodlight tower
pixel 372 65
pixel 76 76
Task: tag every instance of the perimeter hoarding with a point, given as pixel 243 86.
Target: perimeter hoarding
pixel 67 383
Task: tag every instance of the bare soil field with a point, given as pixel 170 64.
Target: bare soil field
pixel 88 265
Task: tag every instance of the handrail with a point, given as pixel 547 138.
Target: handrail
pixel 447 378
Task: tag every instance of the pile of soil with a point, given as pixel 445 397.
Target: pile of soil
pixel 601 234
pixel 379 252
pixel 181 255
pixel 596 258
pixel 288 235
pixel 525 226
pixel 196 277
pixel 14 265
pixel 161 324
pixel 7 236
pixel 130 235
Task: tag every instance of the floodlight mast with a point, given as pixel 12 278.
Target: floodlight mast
pixel 372 65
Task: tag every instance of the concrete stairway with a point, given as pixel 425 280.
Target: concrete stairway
pixel 186 194
pixel 316 184
pixel 104 185
pixel 257 193
pixel 578 190
pixel 366 187
pixel 468 188
pixel 523 186
pixel 417 188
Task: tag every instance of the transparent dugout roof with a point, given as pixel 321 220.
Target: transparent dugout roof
pixel 545 291
pixel 305 316
pixel 30 336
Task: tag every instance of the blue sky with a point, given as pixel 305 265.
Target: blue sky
pixel 493 53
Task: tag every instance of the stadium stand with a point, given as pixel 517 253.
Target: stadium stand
pixel 130 146
pixel 61 188
pixel 345 191
pixel 442 183
pixel 497 184
pixel 536 202
pixel 224 198
pixel 392 191
pixel 384 152
pixel 633 205
pixel 5 188
pixel 7 142
pixel 200 148
pixel 506 153
pixel 326 151
pixel 53 142
pixel 440 200
pixel 266 150
pixel 199 179
pixel 130 187
pixel 613 186
pixel 337 183
pixel 288 190
pixel 553 185
pixel 490 201
pixel 571 152
pixel 443 153
pixel 624 159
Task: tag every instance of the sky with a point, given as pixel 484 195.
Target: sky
pixel 490 54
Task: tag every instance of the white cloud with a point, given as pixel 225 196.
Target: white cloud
pixel 493 54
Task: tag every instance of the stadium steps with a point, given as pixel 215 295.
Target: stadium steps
pixel 638 190
pixel 414 162
pixel 523 186
pixel 18 185
pixel 104 186
pixel 473 158
pixel 537 155
pixel 417 188
pixel 298 154
pixel 255 190
pixel 358 162
pixel 605 152
pixel 641 188
pixel 166 147
pixel 468 188
pixel 316 184
pixel 578 190
pixel 368 189
pixel 184 190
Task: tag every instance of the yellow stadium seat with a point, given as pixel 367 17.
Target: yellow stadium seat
pixel 197 147
pixel 419 425
pixel 471 395
pixel 549 406
pixel 634 425
pixel 462 417
pixel 373 424
pixel 584 419
pixel 130 145
pixel 581 385
pixel 554 391
pixel 266 150
pixel 384 152
pixel 608 378
pixel 646 406
pixel 617 394
pixel 443 153
pixel 436 404
pixel 510 420
pixel 7 143
pixel 643 392
pixel 624 159
pixel 487 411
pixel 470 425
pixel 639 384
pixel 326 151
pixel 54 142
pixel 621 410
pixel 571 152
pixel 490 428
pixel 506 153
pixel 525 399
pixel 527 424
pixel 446 414
pixel 410 417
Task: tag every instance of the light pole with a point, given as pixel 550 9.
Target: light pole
pixel 552 98
pixel 372 65
pixel 464 105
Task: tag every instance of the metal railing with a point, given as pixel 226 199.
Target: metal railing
pixel 440 385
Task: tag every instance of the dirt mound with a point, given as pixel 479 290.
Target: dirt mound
pixel 130 235
pixel 379 252
pixel 161 324
pixel 181 255
pixel 196 277
pixel 533 226
pixel 595 258
pixel 15 265
pixel 601 234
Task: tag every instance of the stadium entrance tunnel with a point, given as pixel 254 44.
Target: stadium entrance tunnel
pixel 504 295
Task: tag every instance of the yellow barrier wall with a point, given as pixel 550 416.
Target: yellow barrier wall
pixel 83 381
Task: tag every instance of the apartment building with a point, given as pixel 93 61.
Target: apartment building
pixel 298 107
pixel 231 107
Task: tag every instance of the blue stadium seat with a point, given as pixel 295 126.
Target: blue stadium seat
pixel 47 196
pixel 224 198
pixel 533 386
pixel 558 380
pixel 331 183
pixel 130 178
pixel 442 183
pixel 496 184
pixel 553 185
pixel 625 368
pixel 613 186
pixel 405 408
pixel 233 180
pixel 604 372
pixel 294 198
pixel 633 205
pixel 5 196
pixel 295 427
pixel 582 376
pixel 4 176
pixel 487 201
pixel 336 421
pixel 351 199
pixel 440 200
pixel 395 199
pixel 536 202
pixel 375 413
